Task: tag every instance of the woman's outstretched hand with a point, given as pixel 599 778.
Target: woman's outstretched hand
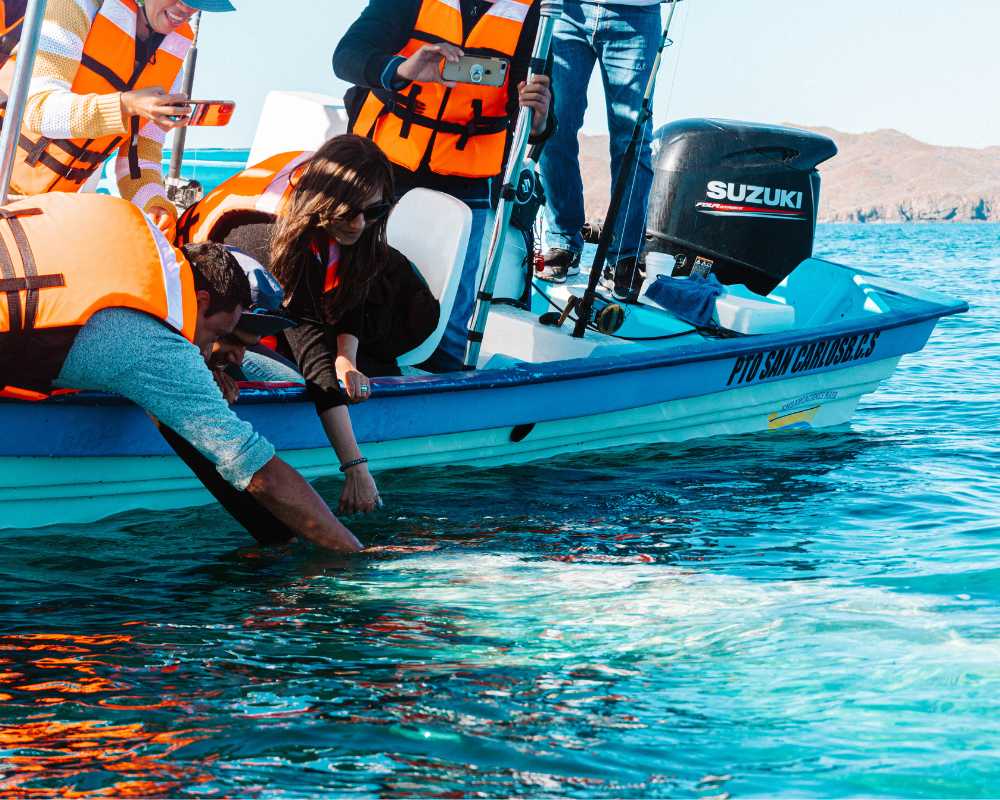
pixel 360 495
pixel 165 110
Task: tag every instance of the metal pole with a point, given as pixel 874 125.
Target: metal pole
pixel 550 12
pixel 180 134
pixel 629 162
pixel 14 114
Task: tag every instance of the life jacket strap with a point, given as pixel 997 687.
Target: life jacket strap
pixel 32 282
pixel 112 77
pixel 38 153
pixel 82 154
pixel 478 126
pixel 409 110
pixel 33 150
pixel 472 126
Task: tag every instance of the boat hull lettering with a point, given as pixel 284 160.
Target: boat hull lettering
pixel 794 360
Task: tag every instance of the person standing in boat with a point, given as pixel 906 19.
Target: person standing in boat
pixel 317 221
pixel 97 299
pixel 441 135
pixel 106 80
pixel 622 36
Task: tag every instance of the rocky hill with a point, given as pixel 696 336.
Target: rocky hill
pixel 883 176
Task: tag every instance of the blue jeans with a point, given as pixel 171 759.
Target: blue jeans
pixel 450 353
pixel 623 40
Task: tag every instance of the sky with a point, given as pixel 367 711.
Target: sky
pixel 929 68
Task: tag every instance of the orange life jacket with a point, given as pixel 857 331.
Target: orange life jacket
pixel 258 193
pixel 65 257
pixel 11 20
pixel 460 131
pixel 107 66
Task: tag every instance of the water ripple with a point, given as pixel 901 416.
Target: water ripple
pixel 808 613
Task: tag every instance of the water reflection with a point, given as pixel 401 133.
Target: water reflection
pixel 62 694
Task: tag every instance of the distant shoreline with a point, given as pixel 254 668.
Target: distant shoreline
pixel 876 178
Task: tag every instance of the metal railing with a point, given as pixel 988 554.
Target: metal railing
pixel 14 113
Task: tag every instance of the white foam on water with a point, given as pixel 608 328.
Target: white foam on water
pixel 650 609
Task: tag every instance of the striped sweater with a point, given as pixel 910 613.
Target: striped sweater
pixel 55 112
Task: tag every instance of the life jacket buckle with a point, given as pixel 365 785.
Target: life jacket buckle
pixel 37 151
pixel 472 126
pixel 409 110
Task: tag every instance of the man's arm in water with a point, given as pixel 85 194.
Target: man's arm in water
pixel 287 495
pixel 131 354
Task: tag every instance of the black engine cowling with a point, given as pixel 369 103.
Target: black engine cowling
pixel 735 198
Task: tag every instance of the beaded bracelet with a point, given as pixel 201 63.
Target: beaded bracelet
pixel 347 465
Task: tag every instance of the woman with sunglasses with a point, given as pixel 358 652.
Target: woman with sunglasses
pixel 326 245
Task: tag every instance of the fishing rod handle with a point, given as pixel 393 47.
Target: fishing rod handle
pixel 551 10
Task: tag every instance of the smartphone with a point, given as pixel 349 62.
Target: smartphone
pixel 476 69
pixel 215 113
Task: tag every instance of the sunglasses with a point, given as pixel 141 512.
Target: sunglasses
pixel 372 213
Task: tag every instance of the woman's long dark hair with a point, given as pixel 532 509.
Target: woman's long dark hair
pixel 340 178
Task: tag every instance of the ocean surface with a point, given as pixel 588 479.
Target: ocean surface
pixel 815 614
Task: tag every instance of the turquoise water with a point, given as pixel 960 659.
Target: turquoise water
pixel 812 614
pixel 210 166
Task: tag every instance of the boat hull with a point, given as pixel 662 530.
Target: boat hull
pixel 82 459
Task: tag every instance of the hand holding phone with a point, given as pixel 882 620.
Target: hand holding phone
pixel 476 70
pixel 424 65
pixel 155 105
pixel 205 113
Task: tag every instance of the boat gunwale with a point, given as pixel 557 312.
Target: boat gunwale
pixel 524 373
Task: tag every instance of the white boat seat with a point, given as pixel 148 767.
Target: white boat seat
pixel 740 310
pixel 432 230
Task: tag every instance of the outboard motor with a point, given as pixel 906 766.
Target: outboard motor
pixel 736 199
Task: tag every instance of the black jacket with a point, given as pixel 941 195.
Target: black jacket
pixel 398 313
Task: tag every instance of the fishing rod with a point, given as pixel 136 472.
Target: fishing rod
pixel 14 112
pixel 550 12
pixel 180 135
pixel 630 164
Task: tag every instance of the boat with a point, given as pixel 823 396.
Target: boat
pixel 793 343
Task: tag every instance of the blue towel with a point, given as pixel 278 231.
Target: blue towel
pixel 690 299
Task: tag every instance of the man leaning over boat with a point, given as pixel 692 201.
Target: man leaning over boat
pixel 95 298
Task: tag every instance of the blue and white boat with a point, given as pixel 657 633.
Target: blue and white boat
pixel 799 355
pixel 793 341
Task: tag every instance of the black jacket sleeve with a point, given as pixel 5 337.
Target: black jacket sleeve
pixel 382 30
pixel 314 353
